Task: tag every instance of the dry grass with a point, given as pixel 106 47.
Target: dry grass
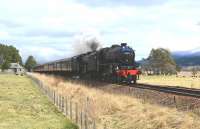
pixel 190 82
pixel 121 111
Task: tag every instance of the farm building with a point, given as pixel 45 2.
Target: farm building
pixel 16 68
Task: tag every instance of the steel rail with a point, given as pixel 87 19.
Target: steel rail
pixel 192 92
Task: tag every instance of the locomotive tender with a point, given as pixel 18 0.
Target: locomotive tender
pixel 115 63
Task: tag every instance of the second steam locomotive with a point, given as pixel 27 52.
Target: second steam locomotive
pixel 115 63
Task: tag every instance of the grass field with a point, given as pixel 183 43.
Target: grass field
pixel 23 106
pixel 120 111
pixel 189 82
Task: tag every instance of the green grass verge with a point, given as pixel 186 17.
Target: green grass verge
pixel 23 106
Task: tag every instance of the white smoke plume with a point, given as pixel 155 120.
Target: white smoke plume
pixel 86 42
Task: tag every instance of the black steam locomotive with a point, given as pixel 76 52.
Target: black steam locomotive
pixel 115 63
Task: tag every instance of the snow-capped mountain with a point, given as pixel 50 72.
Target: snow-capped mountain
pixel 187 58
pixel 193 52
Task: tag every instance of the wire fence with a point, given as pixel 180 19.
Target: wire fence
pixel 69 108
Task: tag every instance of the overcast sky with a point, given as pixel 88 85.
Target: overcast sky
pixel 49 29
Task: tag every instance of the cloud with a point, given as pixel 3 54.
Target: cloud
pixel 44 54
pixel 51 26
pixel 4 34
pixel 45 33
pixel 8 23
pixel 122 2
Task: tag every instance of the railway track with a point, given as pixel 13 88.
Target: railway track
pixel 176 90
pixel 192 92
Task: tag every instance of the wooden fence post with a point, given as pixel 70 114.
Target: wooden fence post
pixel 54 97
pixel 76 112
pixel 94 124
pixel 175 101
pixel 60 105
pixel 66 106
pixel 86 120
pixel 57 99
pixel 43 88
pixel 63 104
pixel 47 91
pixel 38 82
pixel 41 84
pixel 81 119
pixel 70 108
pixel 105 127
pixel 50 94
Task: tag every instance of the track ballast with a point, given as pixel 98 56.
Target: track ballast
pixel 192 92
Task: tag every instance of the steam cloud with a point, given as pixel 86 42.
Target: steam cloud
pixel 93 44
pixel 85 43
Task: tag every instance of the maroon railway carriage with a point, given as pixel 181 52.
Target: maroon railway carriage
pixel 115 63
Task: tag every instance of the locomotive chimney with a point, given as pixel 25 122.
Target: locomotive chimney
pixel 123 44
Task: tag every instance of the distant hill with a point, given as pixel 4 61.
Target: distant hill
pixel 187 58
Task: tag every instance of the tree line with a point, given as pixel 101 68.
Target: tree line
pixel 9 54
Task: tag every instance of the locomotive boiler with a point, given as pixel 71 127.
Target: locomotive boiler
pixel 115 63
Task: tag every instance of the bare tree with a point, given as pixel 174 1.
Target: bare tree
pixel 194 71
